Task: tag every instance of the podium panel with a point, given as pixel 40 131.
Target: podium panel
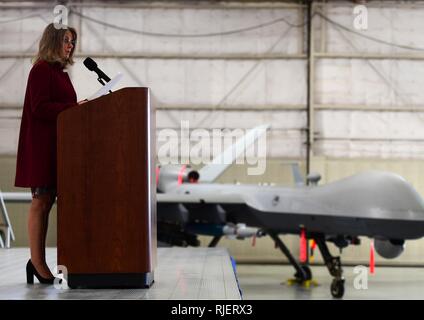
pixel 106 234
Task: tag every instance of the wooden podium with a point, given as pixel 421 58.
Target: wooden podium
pixel 106 234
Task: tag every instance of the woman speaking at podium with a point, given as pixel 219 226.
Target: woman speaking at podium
pixel 49 91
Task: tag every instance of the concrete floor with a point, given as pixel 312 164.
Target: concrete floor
pixel 270 282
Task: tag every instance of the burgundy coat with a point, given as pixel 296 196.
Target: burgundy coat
pixel 49 91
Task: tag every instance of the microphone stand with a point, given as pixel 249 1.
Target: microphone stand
pixel 103 83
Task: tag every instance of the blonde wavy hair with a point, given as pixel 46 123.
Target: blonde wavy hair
pixel 51 46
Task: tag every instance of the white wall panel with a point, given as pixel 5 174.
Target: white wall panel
pixel 204 82
pixel 346 148
pixel 9 134
pixel 189 22
pixel 391 23
pixel 284 120
pixel 277 144
pixel 22 35
pixel 370 125
pixel 371 83
pixel 384 82
pixel 13 79
pixel 284 139
pixel 356 134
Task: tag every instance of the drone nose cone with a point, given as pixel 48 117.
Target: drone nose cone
pixel 377 193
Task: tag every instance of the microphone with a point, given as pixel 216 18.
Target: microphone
pixel 92 66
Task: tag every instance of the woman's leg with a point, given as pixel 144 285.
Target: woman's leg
pixel 46 221
pixel 37 231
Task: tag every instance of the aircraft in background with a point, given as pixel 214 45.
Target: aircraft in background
pixel 375 204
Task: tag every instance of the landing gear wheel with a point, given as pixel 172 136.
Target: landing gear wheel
pixel 337 288
pixel 307 272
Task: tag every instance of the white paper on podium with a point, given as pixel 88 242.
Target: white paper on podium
pixel 108 86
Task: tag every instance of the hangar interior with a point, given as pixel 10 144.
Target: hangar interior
pixel 339 99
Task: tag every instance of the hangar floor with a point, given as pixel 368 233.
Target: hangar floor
pixel 181 273
pixel 207 273
pixel 270 282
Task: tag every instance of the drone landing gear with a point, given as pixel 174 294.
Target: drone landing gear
pixel 303 275
pixel 305 282
pixel 334 265
pixel 214 241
